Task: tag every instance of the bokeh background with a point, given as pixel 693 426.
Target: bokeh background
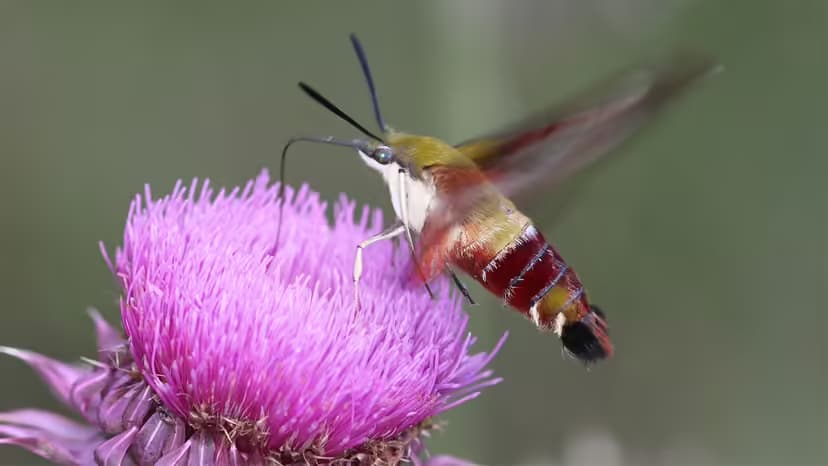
pixel 705 243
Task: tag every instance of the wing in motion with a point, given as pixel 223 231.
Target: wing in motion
pixel 545 150
pixel 551 147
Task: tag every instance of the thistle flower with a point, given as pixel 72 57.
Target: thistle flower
pixel 241 351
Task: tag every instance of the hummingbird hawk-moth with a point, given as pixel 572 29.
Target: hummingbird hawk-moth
pixel 455 198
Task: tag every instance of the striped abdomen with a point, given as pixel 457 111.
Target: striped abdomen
pixel 531 277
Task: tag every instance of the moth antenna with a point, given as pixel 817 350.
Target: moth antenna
pixel 323 101
pixel 366 71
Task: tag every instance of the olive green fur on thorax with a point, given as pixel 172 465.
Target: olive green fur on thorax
pixel 418 153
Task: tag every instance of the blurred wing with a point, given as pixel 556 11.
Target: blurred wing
pixel 548 149
pixel 459 189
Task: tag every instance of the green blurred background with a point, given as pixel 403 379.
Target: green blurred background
pixel 705 243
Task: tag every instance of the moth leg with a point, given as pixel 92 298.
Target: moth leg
pixel 403 191
pixel 461 286
pixel 392 231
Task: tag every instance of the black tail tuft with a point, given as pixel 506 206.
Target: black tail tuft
pixel 588 339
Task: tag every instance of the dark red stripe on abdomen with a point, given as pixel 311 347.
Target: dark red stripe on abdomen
pixel 524 273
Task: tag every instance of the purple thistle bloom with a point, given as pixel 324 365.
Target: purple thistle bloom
pixel 240 352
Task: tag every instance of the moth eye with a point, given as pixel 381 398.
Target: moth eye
pixel 383 155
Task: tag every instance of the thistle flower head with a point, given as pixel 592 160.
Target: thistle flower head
pixel 238 350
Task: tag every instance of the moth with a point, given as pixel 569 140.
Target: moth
pixel 453 202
